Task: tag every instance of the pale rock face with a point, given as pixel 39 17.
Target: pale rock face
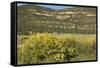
pixel 91 15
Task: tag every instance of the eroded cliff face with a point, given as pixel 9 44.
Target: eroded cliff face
pixel 35 18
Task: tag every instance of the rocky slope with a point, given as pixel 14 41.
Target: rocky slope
pixel 35 18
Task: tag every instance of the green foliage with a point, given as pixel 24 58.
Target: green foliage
pixel 50 48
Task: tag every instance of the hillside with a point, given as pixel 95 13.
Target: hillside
pixel 35 18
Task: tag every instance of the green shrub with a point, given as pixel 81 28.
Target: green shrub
pixel 49 48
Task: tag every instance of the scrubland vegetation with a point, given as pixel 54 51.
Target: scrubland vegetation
pixel 52 48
